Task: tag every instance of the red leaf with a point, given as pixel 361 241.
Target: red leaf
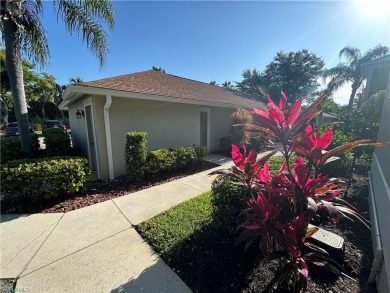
pixel 302 268
pixel 237 157
pixel 283 101
pixel 293 112
pixel 275 114
pixel 325 139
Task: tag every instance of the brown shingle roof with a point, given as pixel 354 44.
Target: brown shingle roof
pixel 161 84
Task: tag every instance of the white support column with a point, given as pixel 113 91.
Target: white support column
pixel 108 136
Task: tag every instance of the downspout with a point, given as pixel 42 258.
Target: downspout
pixel 375 234
pixel 107 127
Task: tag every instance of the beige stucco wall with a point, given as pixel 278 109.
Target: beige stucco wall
pixel 78 129
pixel 219 127
pixel 168 125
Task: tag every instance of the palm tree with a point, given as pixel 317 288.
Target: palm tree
pixel 158 69
pixel 22 31
pixel 350 71
pixel 76 80
pixel 228 84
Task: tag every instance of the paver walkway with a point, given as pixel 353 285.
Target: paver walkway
pixel 96 249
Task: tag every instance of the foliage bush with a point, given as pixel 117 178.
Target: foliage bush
pixel 39 179
pixel 227 203
pixel 57 142
pixel 160 160
pixel 186 156
pixel 166 160
pixel 11 148
pixel 256 143
pixel 136 155
pixel 239 136
pixel 225 144
pixel 280 206
pixel 36 123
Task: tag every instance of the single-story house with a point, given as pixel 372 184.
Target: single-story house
pixel 378 78
pixel 174 111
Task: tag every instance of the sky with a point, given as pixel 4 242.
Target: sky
pixel 217 41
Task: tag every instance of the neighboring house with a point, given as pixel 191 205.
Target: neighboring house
pixel 378 78
pixel 174 111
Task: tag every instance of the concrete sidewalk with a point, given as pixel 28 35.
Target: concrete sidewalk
pixel 96 249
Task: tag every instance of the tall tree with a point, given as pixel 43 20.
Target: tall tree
pixel 22 31
pixel 158 69
pixel 76 80
pixel 43 90
pixel 228 84
pixel 251 82
pixel 295 73
pixel 350 71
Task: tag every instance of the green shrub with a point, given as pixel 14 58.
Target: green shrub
pixel 57 142
pixel 36 123
pixel 225 144
pixel 168 160
pixel 200 152
pixel 38 179
pixel 11 148
pixel 135 155
pixel 256 143
pixel 186 156
pixel 226 199
pixel 339 168
pixel 161 160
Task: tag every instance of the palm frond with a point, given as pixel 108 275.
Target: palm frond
pixel 375 53
pixel 79 18
pixel 99 9
pixel 351 53
pixel 32 35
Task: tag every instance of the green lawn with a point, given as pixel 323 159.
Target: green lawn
pixel 167 231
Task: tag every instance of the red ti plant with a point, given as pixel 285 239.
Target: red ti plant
pixel 281 206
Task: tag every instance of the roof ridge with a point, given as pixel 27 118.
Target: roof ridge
pixel 118 76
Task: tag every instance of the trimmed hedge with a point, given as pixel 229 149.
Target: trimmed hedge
pixel 11 148
pixel 160 160
pixel 57 142
pixel 44 178
pixel 135 155
pixel 167 160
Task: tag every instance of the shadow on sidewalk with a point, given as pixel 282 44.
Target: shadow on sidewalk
pixel 157 278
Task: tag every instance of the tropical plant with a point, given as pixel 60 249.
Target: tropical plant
pixel 158 69
pixel 239 136
pixel 228 84
pixel 350 71
pixel 280 206
pixel 76 80
pixel 294 72
pixel 22 31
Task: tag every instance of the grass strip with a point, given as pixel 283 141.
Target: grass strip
pixel 167 231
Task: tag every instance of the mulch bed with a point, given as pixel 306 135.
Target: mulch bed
pixel 209 262
pixel 97 191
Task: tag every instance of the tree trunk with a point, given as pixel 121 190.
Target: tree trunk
pixel 4 112
pixel 352 97
pixel 43 107
pixel 15 74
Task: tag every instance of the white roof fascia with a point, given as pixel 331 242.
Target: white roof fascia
pixel 74 92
